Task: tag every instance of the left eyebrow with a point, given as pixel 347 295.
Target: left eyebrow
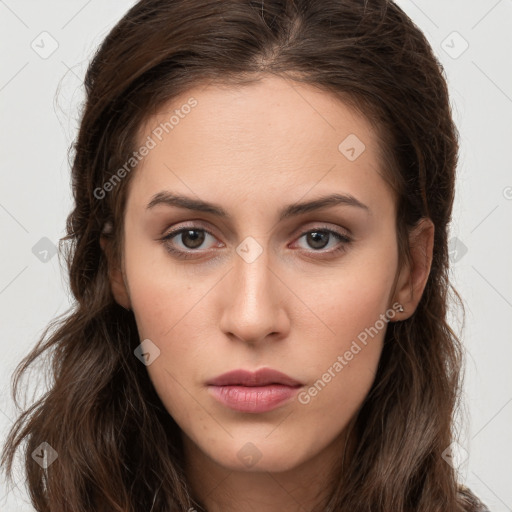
pixel 190 203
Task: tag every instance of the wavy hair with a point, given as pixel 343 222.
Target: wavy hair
pixel 118 448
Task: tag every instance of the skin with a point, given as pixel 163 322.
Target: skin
pixel 254 150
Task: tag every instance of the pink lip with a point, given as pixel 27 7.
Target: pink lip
pixel 261 391
pixel 262 377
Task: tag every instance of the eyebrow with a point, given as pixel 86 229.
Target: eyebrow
pixel 291 210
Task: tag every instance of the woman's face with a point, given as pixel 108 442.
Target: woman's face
pixel 272 282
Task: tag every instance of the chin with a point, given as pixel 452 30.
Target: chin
pixel 248 455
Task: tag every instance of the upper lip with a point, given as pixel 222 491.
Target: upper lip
pixel 262 377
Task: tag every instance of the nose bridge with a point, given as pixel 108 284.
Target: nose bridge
pixel 252 309
pixel 253 274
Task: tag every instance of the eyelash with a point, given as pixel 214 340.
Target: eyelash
pixel 343 238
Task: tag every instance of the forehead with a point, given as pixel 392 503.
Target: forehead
pixel 274 137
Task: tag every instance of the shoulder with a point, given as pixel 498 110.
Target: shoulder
pixel 470 502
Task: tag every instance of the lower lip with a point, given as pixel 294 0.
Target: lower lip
pixel 253 399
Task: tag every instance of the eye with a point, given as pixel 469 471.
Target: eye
pixel 320 238
pixel 190 238
pixel 188 242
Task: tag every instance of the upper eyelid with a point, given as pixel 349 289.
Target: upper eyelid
pixel 318 227
pixel 177 231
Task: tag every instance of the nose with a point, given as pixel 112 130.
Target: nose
pixel 253 297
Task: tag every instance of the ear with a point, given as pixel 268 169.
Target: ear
pixel 413 277
pixel 115 275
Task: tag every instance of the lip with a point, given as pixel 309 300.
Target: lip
pixel 253 392
pixel 262 377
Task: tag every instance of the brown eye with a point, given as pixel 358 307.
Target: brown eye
pixel 318 239
pixel 195 238
pixel 186 242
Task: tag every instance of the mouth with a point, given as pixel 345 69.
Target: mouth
pixel 253 392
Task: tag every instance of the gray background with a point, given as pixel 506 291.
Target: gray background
pixel 45 48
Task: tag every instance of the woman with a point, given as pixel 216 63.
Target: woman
pixel 258 252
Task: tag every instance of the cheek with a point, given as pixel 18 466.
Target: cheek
pixel 170 307
pixel 343 364
pixel 353 297
pixel 162 294
pixel 345 354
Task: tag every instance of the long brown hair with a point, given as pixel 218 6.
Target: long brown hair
pixel 118 448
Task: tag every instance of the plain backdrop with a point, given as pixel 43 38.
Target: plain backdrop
pixel 45 48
